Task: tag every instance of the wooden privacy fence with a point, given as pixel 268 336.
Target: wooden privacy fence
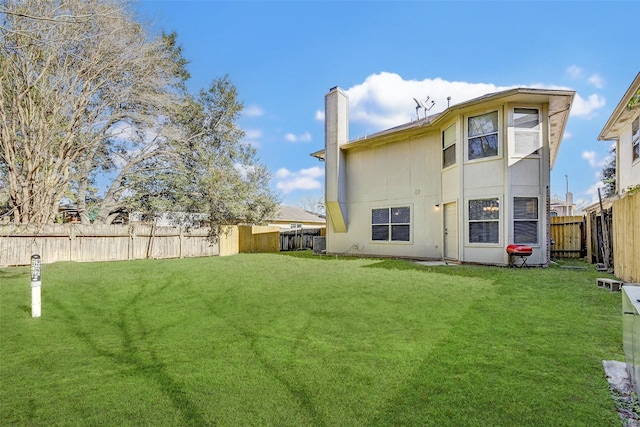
pixel 257 238
pixel 568 233
pixel 76 242
pixel 626 238
pixel 600 236
pixel 293 240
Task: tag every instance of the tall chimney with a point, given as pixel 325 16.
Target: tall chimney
pixel 336 129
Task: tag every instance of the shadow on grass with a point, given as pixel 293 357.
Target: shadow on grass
pixel 309 254
pixel 132 353
pixel 299 394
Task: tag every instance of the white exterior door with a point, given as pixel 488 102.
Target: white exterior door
pixel 451 231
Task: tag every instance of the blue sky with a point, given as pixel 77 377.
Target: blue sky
pixel 284 57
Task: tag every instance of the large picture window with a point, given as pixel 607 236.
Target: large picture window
pixel 449 146
pixel 525 220
pixel 635 139
pixel 483 136
pixel 391 224
pixel 484 221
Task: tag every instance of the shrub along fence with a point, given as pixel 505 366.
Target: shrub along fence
pixel 75 242
pixel 626 238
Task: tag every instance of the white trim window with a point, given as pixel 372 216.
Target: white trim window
pixel 527 131
pixel 391 224
pixel 635 139
pixel 484 220
pixel 482 132
pixel 525 220
pixel 449 146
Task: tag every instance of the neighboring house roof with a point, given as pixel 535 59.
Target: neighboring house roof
pixel 293 214
pixel 621 114
pixel 559 107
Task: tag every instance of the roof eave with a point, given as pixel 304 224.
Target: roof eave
pixel 608 132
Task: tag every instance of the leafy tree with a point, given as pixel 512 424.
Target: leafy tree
pixel 72 72
pixel 86 94
pixel 211 170
pixel 313 204
pixel 609 176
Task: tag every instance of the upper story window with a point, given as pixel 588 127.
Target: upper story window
pixel 635 139
pixel 527 137
pixel 391 224
pixel 449 146
pixel 483 135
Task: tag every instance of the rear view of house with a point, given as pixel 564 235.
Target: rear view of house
pixel 460 185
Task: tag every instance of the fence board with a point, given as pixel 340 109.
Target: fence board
pixel 626 238
pixel 568 233
pixel 76 242
pixel 292 240
pixel 253 238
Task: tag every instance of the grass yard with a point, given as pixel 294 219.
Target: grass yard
pixel 297 340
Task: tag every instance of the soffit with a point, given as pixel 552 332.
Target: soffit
pixel 621 114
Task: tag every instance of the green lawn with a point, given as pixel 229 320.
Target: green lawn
pixel 297 340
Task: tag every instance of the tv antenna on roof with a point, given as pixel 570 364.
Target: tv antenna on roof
pixel 420 105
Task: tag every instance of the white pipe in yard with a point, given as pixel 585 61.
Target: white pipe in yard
pixel 36 283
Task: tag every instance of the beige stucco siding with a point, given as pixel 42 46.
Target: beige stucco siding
pixel 405 173
pixel 628 170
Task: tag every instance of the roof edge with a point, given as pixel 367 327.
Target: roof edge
pixel 620 109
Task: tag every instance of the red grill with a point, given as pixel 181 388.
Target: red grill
pixel 520 252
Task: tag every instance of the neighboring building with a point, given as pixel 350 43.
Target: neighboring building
pixel 566 207
pixel 292 218
pixel 460 185
pixel 623 127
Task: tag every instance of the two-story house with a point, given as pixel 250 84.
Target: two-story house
pixel 460 185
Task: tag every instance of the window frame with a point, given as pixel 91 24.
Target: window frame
pixel 497 133
pixel 448 147
pixel 635 140
pixel 537 130
pixel 497 221
pixel 390 224
pixel 525 219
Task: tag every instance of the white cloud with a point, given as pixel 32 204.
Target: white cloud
pixel 596 161
pixel 592 192
pixel 385 100
pixel 253 111
pixel 575 72
pixel 304 179
pixel 567 135
pixel 252 134
pixel 305 137
pixel 586 107
pixel 590 156
pixel 252 137
pixel 596 80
